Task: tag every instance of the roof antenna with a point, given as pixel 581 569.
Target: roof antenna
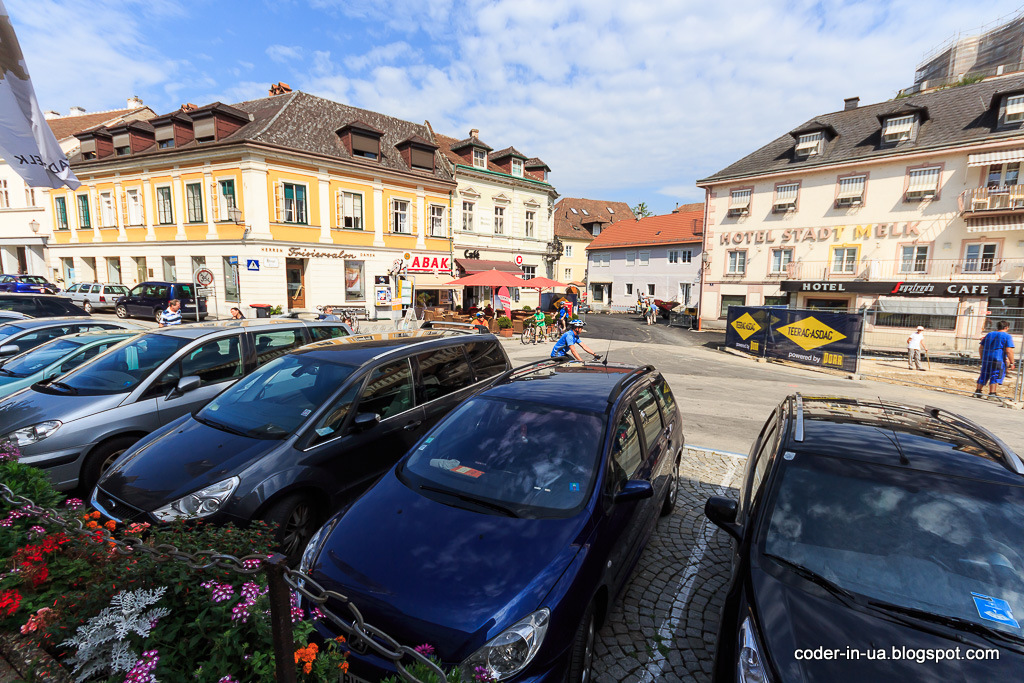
pixel 607 351
pixel 904 460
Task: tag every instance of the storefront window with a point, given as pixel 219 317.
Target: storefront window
pixel 776 300
pixel 354 289
pixel 912 320
pixel 731 300
pixel 827 304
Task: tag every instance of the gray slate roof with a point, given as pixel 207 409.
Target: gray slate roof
pixel 955 116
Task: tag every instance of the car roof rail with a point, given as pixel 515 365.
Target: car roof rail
pixel 627 379
pixel 798 406
pixel 528 368
pixel 965 426
pixel 464 328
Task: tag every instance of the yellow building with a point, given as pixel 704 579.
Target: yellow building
pixel 290 200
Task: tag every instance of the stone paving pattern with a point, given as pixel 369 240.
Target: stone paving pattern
pixel 664 625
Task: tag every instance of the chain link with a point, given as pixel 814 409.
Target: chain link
pixel 356 630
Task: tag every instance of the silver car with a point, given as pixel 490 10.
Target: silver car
pixel 94 296
pixel 76 425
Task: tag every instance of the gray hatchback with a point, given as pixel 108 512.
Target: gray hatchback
pixel 74 426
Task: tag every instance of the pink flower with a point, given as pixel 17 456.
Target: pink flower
pixel 425 649
pixel 74 503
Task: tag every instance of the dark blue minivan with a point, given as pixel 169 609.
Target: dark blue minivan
pixel 149 299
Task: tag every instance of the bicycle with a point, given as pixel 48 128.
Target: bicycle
pixel 529 335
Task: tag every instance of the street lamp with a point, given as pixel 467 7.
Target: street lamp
pixel 34 224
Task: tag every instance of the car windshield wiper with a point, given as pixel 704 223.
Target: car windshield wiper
pixel 219 425
pixel 958 623
pixel 810 575
pixel 470 499
pixel 66 387
pixel 7 372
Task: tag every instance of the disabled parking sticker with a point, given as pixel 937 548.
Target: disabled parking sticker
pixel 324 431
pixel 468 471
pixel 574 486
pixel 994 609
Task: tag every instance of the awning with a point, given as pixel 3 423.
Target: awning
pixel 472 265
pixel 995 223
pixel 431 281
pixel 1001 157
pixel 937 306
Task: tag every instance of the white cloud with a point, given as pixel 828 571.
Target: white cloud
pixel 284 53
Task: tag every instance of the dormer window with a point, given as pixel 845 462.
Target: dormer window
pixel 810 144
pixel 517 168
pixel 365 146
pixel 123 151
pixel 897 129
pixel 479 158
pixel 1014 109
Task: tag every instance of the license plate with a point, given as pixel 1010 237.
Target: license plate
pixel 352 678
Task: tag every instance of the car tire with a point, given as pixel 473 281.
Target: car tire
pixel 672 496
pixel 158 314
pixel 100 460
pixel 297 519
pixel 87 307
pixel 121 311
pixel 581 654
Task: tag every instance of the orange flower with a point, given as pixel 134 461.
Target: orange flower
pixel 92 525
pixel 307 667
pixel 340 639
pixel 95 514
pixel 344 667
pixel 111 525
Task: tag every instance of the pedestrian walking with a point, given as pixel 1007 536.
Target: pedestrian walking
pixel 915 344
pixel 652 313
pixel 172 314
pixel 996 351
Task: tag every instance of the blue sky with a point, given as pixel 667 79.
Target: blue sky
pixel 626 100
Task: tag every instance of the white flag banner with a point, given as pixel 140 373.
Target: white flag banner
pixel 26 142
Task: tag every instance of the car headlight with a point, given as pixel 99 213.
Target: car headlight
pixel 32 433
pixel 201 503
pixel 313 547
pixel 749 668
pixel 510 651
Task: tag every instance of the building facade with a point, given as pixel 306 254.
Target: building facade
pixel 290 200
pixel 577 222
pixel 658 257
pixel 911 210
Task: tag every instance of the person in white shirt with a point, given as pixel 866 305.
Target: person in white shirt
pixel 915 344
pixel 172 315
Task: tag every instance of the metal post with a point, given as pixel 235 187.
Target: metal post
pixel 281 619
pixel 860 342
pixel 195 293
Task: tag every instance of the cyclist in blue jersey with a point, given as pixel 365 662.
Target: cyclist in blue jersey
pixel 562 317
pixel 565 346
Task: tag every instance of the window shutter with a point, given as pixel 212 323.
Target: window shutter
pixel 124 207
pixel 278 201
pixel 339 208
pixel 142 206
pixel 413 206
pixel 214 203
pixel 391 215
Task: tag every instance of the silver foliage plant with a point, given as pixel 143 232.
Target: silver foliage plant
pixel 102 645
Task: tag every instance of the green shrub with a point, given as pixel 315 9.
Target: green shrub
pixel 504 323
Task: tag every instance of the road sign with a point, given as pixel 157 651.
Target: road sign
pixel 204 277
pixel 252 264
pixel 232 260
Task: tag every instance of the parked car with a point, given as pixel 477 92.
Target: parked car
pixel 149 299
pixel 95 295
pixel 18 336
pixel 864 526
pixel 32 284
pixel 305 434
pixel 74 427
pixel 56 357
pixel 36 306
pixel 503 537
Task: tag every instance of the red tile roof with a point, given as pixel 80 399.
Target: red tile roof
pixel 678 227
pixel 588 211
pixel 66 126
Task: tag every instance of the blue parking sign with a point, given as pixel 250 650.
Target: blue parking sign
pixel 252 264
pixel 232 260
pixel 994 609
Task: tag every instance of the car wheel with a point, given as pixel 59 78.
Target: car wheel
pixel 673 492
pixel 87 307
pixel 581 656
pixel 100 460
pixel 158 314
pixel 297 519
pixel 121 311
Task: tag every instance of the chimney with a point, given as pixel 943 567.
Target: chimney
pixel 188 106
pixel 134 102
pixel 279 88
pixel 851 103
pixel 76 111
pixel 474 133
pixel 51 114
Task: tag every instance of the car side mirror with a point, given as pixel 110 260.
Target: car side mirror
pixel 722 513
pixel 185 385
pixel 9 350
pixel 50 374
pixel 634 489
pixel 364 421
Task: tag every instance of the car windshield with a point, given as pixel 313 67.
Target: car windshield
pixel 39 357
pixel 531 459
pixel 276 399
pixel 9 331
pixel 945 545
pixel 121 369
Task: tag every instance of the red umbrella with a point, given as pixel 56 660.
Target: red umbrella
pixel 490 278
pixel 542 283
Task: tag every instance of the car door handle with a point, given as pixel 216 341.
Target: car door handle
pixel 668 430
pixel 413 425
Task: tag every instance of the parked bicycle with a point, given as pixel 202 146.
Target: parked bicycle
pixel 533 334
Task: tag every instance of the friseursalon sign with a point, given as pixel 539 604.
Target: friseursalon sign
pixel 837 233
pixel 944 289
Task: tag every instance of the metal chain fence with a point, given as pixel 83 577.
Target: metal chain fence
pixel 281 581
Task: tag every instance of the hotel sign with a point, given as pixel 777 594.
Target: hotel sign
pixel 837 233
pixel 925 289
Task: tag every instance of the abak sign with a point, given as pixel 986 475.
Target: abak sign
pixel 428 263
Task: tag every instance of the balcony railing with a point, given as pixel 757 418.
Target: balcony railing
pixel 992 201
pixel 951 270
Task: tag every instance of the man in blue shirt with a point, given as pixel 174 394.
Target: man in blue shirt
pixel 996 356
pixel 567 342
pixel 562 317
pixel 172 315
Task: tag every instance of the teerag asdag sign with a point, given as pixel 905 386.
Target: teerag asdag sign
pixel 820 338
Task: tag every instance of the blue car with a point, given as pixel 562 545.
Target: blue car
pixel 503 537
pixel 56 357
pixel 27 284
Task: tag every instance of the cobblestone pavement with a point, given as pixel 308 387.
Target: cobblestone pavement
pixel 664 624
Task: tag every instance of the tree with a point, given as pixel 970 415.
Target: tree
pixel 641 210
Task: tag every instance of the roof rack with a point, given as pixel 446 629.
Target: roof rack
pixel 626 379
pixel 528 368
pixel 963 425
pixel 465 328
pixel 799 435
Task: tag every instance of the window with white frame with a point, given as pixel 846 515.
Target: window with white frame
pixel 737 263
pixel 194 202
pixel 164 206
pixel 629 288
pixel 225 198
pixel 1003 175
pixel 568 251
pixel 61 213
pixel 295 208
pixel 1014 109
pixel 568 275
pixel 499 220
pixel 517 167
pixel 5 199
pixel 923 183
pixel 30 196
pixel 673 256
pixel 810 144
pixel 897 129
pixel 107 216
pixel 739 202
pixel 531 217
pixel 400 222
pixel 781 258
pixel 686 256
pixel 133 206
pixel 851 191
pixel 914 258
pixel 650 290
pixel 630 258
pixel 645 258
pixel 980 258
pixel 350 210
pixel 529 272
pixel 844 260
pixel 785 197
pixel 437 221
pixel 467 216
pixel 479 158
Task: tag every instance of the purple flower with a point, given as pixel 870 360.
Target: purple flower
pixel 251 563
pixel 227 679
pixel 250 591
pixel 425 649
pixel 240 612
pixel 482 675
pixel 36 530
pixel 142 672
pixel 73 503
pixel 317 614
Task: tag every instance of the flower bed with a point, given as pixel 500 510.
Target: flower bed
pixel 138 617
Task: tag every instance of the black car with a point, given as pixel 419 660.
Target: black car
pixel 301 435
pixel 37 306
pixel 874 542
pixel 149 299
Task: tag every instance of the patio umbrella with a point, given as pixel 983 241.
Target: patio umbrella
pixel 542 283
pixel 492 279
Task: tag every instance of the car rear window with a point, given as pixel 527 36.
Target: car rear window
pixel 183 292
pixel 486 358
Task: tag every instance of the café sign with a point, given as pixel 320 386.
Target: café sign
pixel 940 289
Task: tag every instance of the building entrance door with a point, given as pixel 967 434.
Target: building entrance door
pixel 295 273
